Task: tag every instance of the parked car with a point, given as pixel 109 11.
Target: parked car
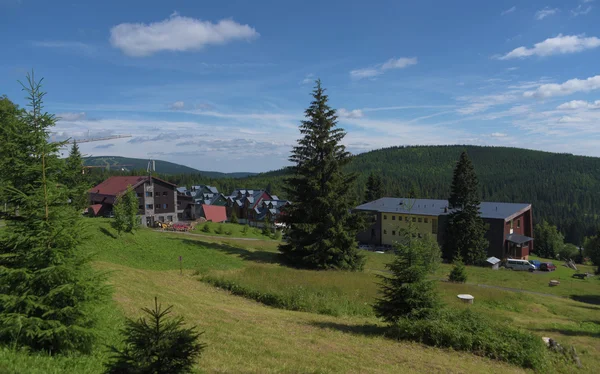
pixel 519 265
pixel 547 266
pixel 535 263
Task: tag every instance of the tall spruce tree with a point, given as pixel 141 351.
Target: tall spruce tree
pixel 465 232
pixel 74 177
pixel 374 187
pixel 47 288
pixel 126 210
pixel 321 230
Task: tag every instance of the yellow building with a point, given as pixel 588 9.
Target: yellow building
pixel 392 224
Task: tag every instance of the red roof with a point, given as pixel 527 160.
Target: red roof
pixel 214 213
pixel 96 208
pixel 115 185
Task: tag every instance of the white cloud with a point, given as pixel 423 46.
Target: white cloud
pixel 508 11
pixel 567 88
pixel 560 44
pixel 543 13
pixel 178 105
pixel 581 10
pixel 344 113
pixel 479 104
pixel 68 116
pixel 176 34
pixel 379 69
pixel 498 135
pixel 309 78
pixel 579 104
pixel 66 45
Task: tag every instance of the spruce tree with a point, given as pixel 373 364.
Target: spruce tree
pixel 75 179
pixel 465 232
pixel 234 218
pixel 47 288
pixel 374 187
pixel 126 211
pixel 458 273
pixel 159 345
pixel 321 230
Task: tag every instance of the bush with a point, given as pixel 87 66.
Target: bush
pixel 206 228
pixel 245 230
pixel 458 273
pixel 568 252
pixel 233 218
pixel 220 230
pixel 468 331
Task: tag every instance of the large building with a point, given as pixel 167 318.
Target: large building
pixel 510 232
pixel 157 198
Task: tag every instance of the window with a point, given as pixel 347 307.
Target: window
pixel 420 220
pixel 140 207
pixel 165 206
pixel 148 194
pixel 169 218
pixel 165 193
pixel 149 206
pixel 414 219
pixel 178 202
pixel 179 215
pixel 384 216
pixel 518 223
pixel 511 224
pixel 426 220
pixel 385 231
pixel 161 218
pixel 393 218
pixel 434 228
pixel 393 232
pixel 406 218
pixel 157 206
pixel 139 194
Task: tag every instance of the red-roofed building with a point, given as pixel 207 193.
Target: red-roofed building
pixel 213 213
pixel 157 198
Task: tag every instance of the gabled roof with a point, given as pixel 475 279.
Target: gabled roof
pixel 431 207
pixel 181 189
pixel 116 185
pixel 212 189
pixel 214 213
pixel 95 208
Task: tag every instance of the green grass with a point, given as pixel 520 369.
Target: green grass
pixel 230 229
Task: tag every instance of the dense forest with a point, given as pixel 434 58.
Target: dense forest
pixel 563 189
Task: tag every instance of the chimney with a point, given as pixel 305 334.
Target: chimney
pixel 445 209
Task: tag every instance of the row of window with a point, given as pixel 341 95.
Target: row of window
pixel 414 219
pixel 149 194
pixel 158 206
pixel 518 223
pixel 162 218
pixel 394 234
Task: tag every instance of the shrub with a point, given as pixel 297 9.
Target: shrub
pixel 568 252
pixel 233 218
pixel 468 331
pixel 206 228
pixel 219 230
pixel 458 273
pixel 160 345
pixel 245 230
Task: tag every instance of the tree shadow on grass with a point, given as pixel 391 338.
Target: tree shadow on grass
pixel 367 329
pixel 568 332
pixel 588 299
pixel 106 232
pixel 245 254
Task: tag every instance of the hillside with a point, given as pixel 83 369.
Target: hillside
pixel 564 189
pixel 162 167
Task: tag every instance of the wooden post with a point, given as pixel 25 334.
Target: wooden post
pixel 180 266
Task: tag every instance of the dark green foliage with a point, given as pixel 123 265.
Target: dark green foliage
pixel 206 228
pixel 47 288
pixel 407 293
pixel 11 142
pixel 458 273
pixel 465 232
pixel 159 345
pixel 233 218
pixel 468 331
pixel 74 178
pixel 568 252
pixel 219 230
pixel 592 249
pixel 266 229
pixel 245 230
pixel 374 187
pixel 126 210
pixel 321 231
pixel 548 241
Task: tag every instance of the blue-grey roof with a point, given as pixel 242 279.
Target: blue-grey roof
pixel 182 189
pixel 212 189
pixel 431 207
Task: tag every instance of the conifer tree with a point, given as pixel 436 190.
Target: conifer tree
pixel 47 288
pixel 159 345
pixel 374 187
pixel 74 177
pixel 407 293
pixel 126 211
pixel 458 274
pixel 234 218
pixel 321 230
pixel 465 232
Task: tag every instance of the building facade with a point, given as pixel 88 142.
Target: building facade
pixel 510 226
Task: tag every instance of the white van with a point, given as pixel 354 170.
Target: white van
pixel 519 265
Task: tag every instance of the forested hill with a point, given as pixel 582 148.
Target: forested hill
pixel 564 189
pixel 162 167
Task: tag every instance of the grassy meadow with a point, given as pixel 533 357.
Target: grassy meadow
pixel 226 229
pixel 326 316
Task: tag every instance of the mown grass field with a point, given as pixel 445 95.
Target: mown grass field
pixel 332 329
pixel 229 229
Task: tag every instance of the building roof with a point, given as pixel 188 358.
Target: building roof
pixel 493 260
pixel 431 207
pixel 95 208
pixel 214 213
pixel 518 238
pixel 115 185
pixel 182 189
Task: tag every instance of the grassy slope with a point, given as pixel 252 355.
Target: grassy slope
pixel 236 230
pixel 245 336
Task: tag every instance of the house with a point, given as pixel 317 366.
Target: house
pixel 510 225
pixel 157 198
pixel 185 207
pixel 254 205
pixel 269 209
pixel 213 213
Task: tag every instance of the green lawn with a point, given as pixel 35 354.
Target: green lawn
pixel 230 229
pixel 331 320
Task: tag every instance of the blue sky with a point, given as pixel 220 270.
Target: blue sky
pixel 222 85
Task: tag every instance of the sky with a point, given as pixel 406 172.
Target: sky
pixel 223 85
